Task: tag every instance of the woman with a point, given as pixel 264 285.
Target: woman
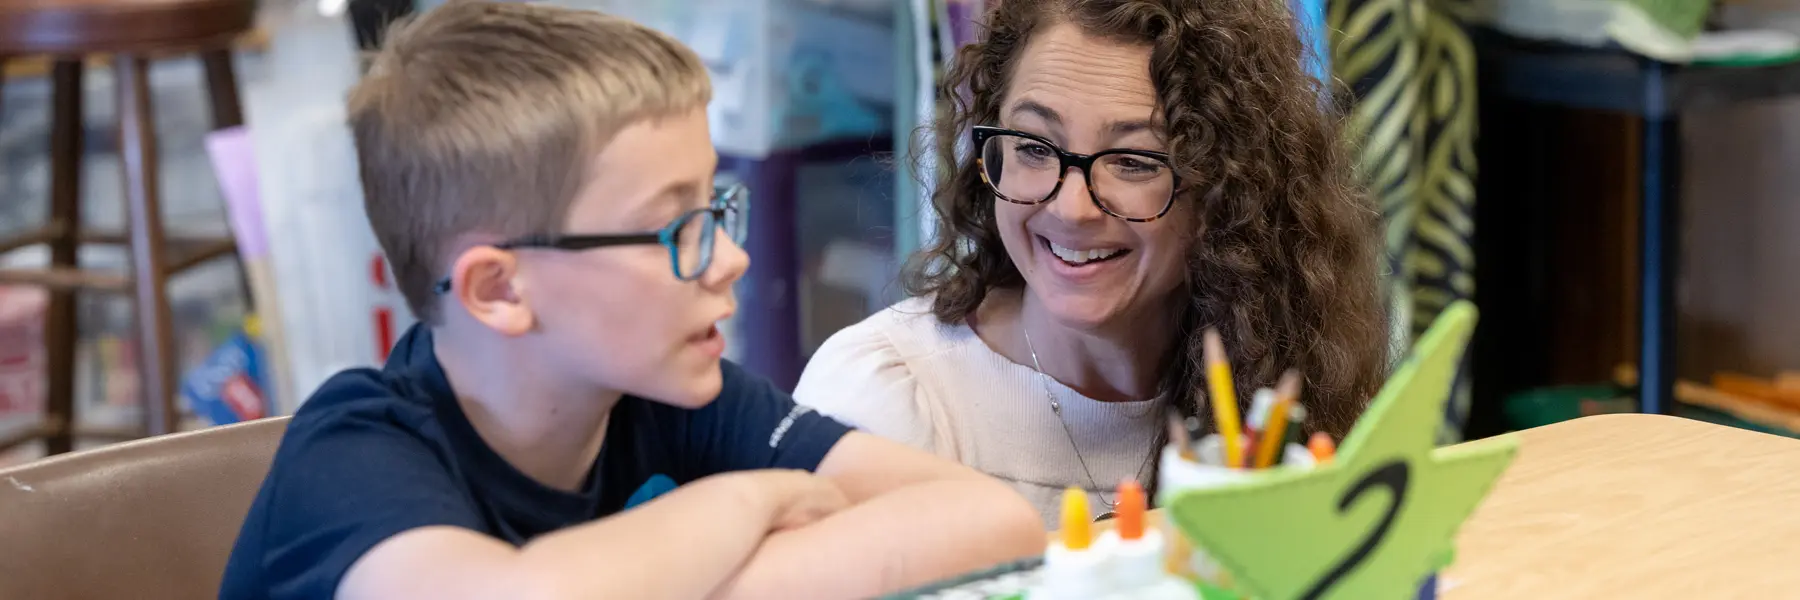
pixel 1143 169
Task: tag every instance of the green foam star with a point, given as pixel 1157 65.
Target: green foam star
pixel 1378 519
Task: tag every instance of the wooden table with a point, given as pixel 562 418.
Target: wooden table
pixel 1636 506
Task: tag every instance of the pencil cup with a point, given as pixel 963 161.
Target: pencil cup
pixel 1177 474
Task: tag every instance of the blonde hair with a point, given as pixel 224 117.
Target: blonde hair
pixel 482 117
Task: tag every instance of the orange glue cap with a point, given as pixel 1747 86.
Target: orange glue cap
pixel 1321 447
pixel 1131 510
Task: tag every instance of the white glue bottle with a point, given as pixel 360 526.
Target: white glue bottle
pixel 1075 568
pixel 1138 571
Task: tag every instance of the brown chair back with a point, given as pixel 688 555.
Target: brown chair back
pixel 152 518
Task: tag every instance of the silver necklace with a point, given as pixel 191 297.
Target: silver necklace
pixel 1112 506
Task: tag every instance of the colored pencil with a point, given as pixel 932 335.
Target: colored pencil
pixel 1275 432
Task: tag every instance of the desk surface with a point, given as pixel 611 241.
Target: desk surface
pixel 1636 506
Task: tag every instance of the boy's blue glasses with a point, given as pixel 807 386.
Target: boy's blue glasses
pixel 689 237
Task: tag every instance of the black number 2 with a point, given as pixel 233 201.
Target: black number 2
pixel 1394 476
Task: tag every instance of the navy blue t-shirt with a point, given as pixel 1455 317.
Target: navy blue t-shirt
pixel 375 453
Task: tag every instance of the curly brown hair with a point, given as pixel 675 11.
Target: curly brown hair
pixel 1284 260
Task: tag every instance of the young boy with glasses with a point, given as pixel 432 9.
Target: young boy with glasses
pixel 561 424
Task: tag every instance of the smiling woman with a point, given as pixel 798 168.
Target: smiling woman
pixel 1141 170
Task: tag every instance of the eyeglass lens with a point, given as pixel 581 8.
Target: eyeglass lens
pixel 1027 171
pixel 698 232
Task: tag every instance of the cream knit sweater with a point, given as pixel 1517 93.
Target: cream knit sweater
pixel 903 375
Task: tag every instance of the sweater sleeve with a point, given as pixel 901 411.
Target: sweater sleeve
pixel 860 378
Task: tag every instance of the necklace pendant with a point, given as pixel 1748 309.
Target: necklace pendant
pixel 1105 516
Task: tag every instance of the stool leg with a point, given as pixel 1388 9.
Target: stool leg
pixel 60 328
pixel 221 86
pixel 137 153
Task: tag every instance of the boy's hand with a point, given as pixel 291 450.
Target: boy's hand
pixel 798 498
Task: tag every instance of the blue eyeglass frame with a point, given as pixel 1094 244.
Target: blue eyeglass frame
pixel 728 200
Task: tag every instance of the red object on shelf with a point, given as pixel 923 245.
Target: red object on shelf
pixel 384 316
pixel 378 272
pixel 384 332
pixel 21 351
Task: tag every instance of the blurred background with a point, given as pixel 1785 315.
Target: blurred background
pixel 1611 181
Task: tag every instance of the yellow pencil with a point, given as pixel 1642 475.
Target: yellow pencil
pixel 1224 398
pixel 1276 431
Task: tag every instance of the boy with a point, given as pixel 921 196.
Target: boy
pixel 534 174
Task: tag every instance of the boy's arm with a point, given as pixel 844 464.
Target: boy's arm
pixel 915 518
pixel 680 545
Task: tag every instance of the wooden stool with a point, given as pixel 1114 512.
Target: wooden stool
pixel 131 32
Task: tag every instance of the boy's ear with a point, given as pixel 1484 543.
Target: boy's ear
pixel 484 282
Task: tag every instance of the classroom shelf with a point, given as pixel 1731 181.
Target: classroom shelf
pixel 1656 94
